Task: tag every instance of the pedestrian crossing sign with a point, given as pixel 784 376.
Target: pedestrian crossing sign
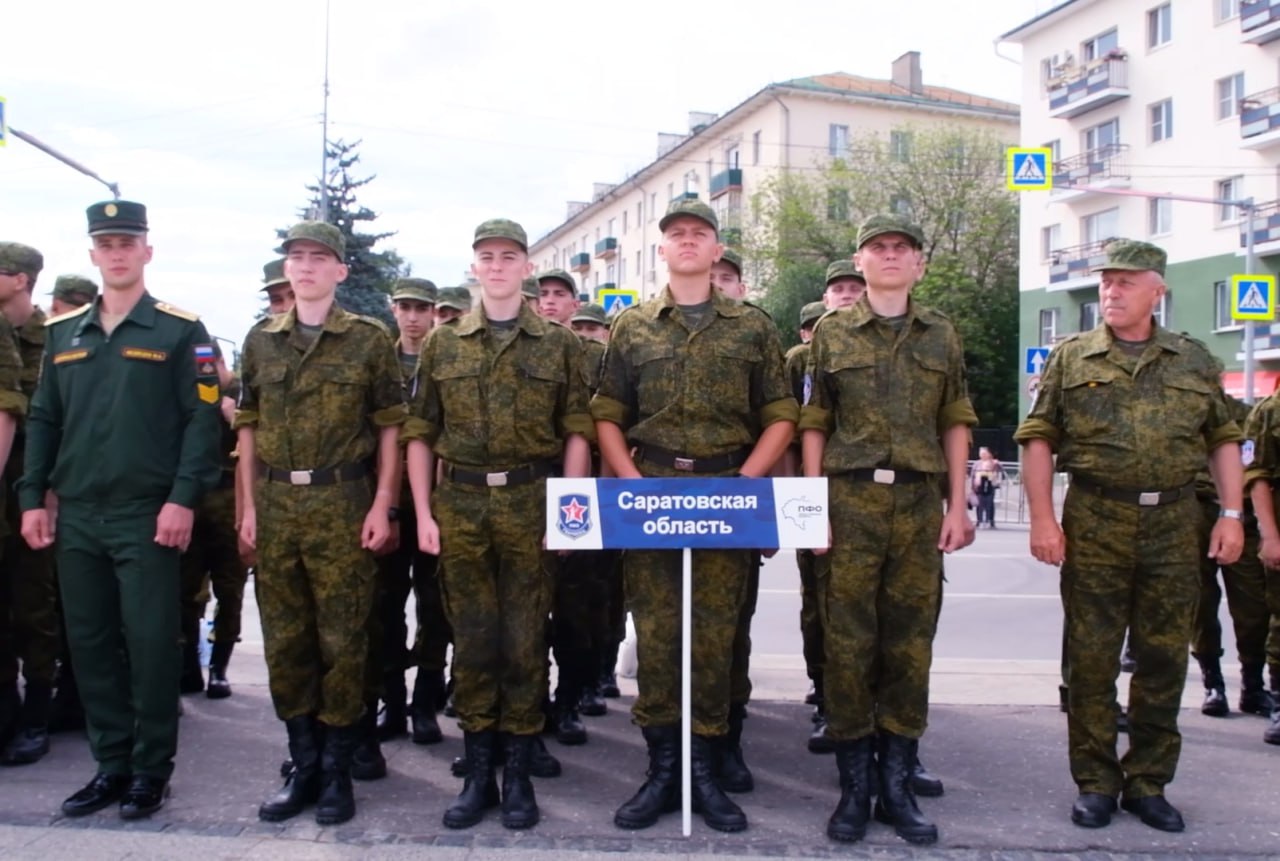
pixel 1028 168
pixel 1253 297
pixel 615 301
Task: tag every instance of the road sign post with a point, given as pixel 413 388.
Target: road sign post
pixel 686 514
pixel 1028 168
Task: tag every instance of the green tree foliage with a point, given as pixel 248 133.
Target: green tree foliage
pixel 950 181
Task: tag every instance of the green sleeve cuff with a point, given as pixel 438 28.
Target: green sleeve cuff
pixel 605 409
pixel 390 417
pixel 1256 474
pixel 413 430
pixel 13 402
pixel 814 419
pixel 1223 434
pixel 185 493
pixel 245 419
pixel 781 410
pixel 581 424
pixel 1037 429
pixel 30 498
pixel 957 413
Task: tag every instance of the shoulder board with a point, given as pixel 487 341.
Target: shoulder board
pixel 68 315
pixel 175 311
pixel 757 307
pixel 372 321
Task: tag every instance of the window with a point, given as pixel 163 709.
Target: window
pixel 1163 312
pixel 639 263
pixel 622 270
pixel 1159 26
pixel 900 146
pixel 613 222
pixel 1103 136
pixel 1050 241
pixel 1099 46
pixel 1230 92
pixel 1159 216
pixel 1055 150
pixel 653 256
pixel 730 157
pixel 1049 326
pixel 1048 68
pixel 1161 121
pixel 755 148
pixel 1222 306
pixel 837 204
pixel 837 140
pixel 595 277
pixel 640 209
pixel 611 272
pixel 671 191
pixel 1225 10
pixel 1088 316
pixel 1100 226
pixel 1229 189
pixel 624 220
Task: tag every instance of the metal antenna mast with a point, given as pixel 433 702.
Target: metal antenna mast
pixel 324 123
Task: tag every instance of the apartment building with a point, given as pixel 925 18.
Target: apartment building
pixel 1142 97
pixel 611 240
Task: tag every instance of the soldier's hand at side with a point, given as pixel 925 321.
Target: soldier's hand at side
pixel 173 526
pixel 248 556
pixel 249 528
pixel 428 534
pixel 37 528
pixel 1226 541
pixel 1269 551
pixel 392 543
pixel 1048 544
pixel 376 529
pixel 957 531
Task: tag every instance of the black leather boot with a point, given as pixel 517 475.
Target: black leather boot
pixel 542 763
pixel 31 741
pixel 428 690
pixel 590 698
pixel 568 726
pixel 924 784
pixel 818 741
pixel 219 688
pixel 608 676
pixel 1255 699
pixel 660 792
pixel 731 767
pixel 849 821
pixel 367 761
pixel 1272 733
pixel 1215 687
pixel 519 806
pixel 896 804
pixel 302 784
pixel 815 696
pixel 192 679
pixel 337 802
pixel 480 791
pixel 393 720
pixel 718 811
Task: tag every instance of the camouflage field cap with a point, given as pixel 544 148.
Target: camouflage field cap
pixel 117 216
pixel 16 257
pixel 1133 254
pixel 319 232
pixel 457 298
pixel 559 275
pixel 879 225
pixel 733 258
pixel 689 206
pixel 590 313
pixel 529 288
pixel 501 228
pixel 810 313
pixel 417 289
pixel 74 290
pixel 843 269
pixel 273 274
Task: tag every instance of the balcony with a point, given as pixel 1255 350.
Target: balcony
pixel 1260 120
pixel 580 262
pixel 1266 230
pixel 608 285
pixel 726 181
pixel 1077 91
pixel 1069 268
pixel 1259 21
pixel 1078 178
pixel 607 248
pixel 1266 347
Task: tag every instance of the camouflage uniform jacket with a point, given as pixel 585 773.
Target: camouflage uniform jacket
pixel 1262 441
pixel 884 396
pixel 317 406
pixel 30 340
pixel 592 362
pixel 1146 430
pixel 700 392
pixel 496 404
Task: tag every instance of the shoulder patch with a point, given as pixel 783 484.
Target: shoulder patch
pixel 175 311
pixel 83 309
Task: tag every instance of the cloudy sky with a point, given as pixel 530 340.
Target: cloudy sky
pixel 210 113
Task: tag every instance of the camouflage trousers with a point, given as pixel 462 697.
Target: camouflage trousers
pixel 315 589
pixel 497 594
pixel 879 606
pixel 1130 568
pixel 213 560
pixel 30 627
pixel 403 571
pixel 813 570
pixel 740 671
pixel 1247 585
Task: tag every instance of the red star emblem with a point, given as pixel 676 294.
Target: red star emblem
pixel 573 512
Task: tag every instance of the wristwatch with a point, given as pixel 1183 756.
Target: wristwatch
pixel 1233 513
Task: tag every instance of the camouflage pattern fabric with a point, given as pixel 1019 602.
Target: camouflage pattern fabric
pixel 213 560
pixel 1246 585
pixel 740 664
pixel 592 363
pixel 814 572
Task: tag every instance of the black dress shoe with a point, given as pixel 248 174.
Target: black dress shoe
pixel 144 796
pixel 1093 810
pixel 103 790
pixel 1155 811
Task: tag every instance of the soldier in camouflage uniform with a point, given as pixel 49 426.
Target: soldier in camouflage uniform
pixel 1130 408
pixel 29 628
pixel 320 397
pixel 887 416
pixel 501 396
pixel 451 303
pixel 693 381
pixel 71 292
pixel 276 285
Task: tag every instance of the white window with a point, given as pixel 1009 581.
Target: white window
pixel 1161 120
pixel 1230 91
pixel 1049 326
pixel 1163 312
pixel 1222 306
pixel 1159 216
pixel 1048 68
pixel 1103 136
pixel 1229 189
pixel 1055 150
pixel 755 148
pixel 611 272
pixel 1101 45
pixel 730 157
pixel 622 271
pixel 900 146
pixel 1100 226
pixel 837 140
pixel 639 263
pixel 625 213
pixel 1225 10
pixel 640 209
pixel 613 222
pixel 1050 241
pixel 653 256
pixel 1159 26
pixel 671 191
pixel 1088 316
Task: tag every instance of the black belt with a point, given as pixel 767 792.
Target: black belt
pixel 328 475
pixel 512 477
pixel 674 460
pixel 889 476
pixel 1145 498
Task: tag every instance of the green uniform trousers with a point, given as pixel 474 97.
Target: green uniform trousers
pixel 581 627
pixel 740 671
pixel 497 594
pixel 1134 568
pixel 880 606
pixel 213 560
pixel 814 570
pixel 408 570
pixel 1247 585
pixel 120 597
pixel 315 590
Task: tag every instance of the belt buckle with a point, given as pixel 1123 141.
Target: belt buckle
pixel 684 464
pixel 1150 497
pixel 883 476
pixel 300 476
pixel 495 479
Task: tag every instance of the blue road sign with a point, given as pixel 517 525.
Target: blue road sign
pixel 1028 169
pixel 1253 297
pixel 615 301
pixel 1036 357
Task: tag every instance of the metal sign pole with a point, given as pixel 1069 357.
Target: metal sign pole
pixel 686 693
pixel 1250 268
